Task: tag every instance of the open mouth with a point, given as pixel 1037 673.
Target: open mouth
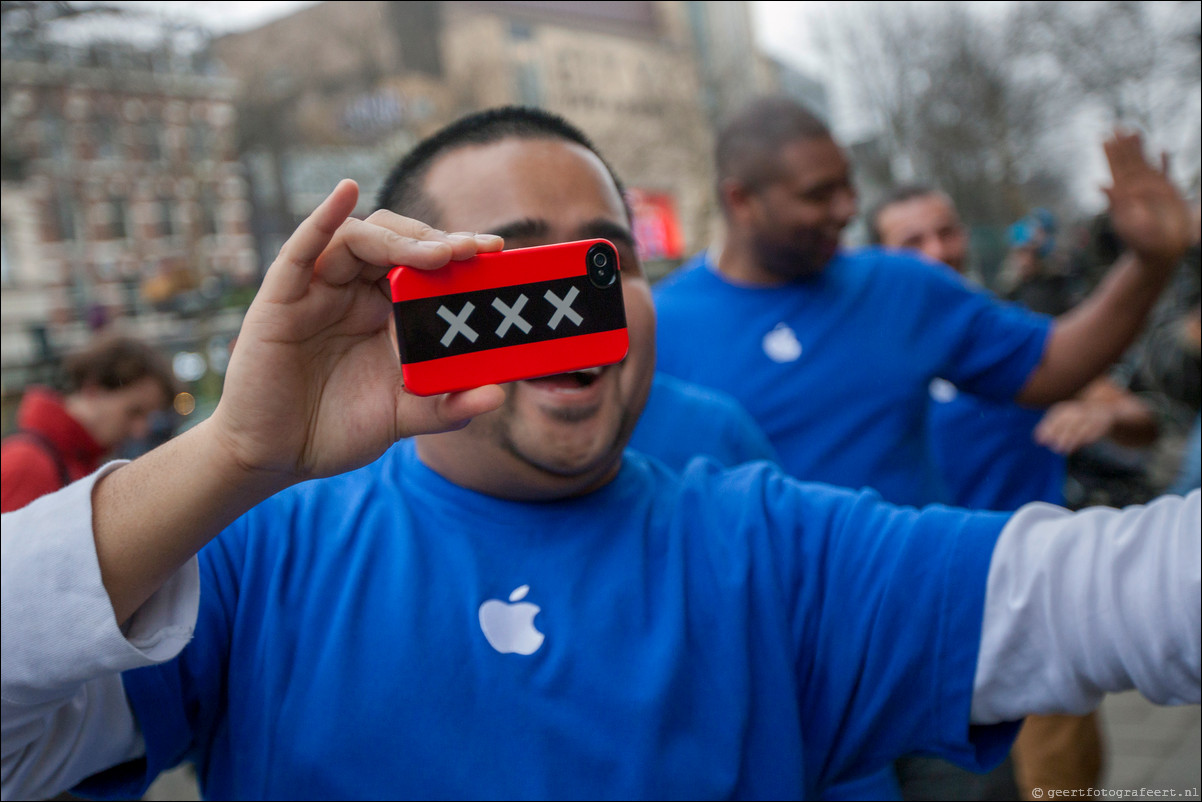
pixel 574 380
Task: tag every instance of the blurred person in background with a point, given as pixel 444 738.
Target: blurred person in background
pixel 1035 272
pixel 833 352
pixel 112 389
pixel 999 456
pixel 682 421
pixel 1017 454
pixel 835 349
pixel 1162 370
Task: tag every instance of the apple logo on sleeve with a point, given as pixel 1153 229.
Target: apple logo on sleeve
pixel 509 626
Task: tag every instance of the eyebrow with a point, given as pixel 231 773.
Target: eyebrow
pixel 522 229
pixel 532 228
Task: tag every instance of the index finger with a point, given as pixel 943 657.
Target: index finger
pixel 464 244
pixel 1125 156
pixel 368 249
pixel 287 279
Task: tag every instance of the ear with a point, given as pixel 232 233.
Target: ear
pixel 738 199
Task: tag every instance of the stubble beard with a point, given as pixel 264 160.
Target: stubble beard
pixel 504 432
pixel 787 261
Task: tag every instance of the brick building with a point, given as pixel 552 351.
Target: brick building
pixel 123 200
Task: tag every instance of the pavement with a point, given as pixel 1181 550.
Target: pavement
pixel 1151 748
pixel 1151 752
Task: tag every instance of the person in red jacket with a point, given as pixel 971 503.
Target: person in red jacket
pixel 113 387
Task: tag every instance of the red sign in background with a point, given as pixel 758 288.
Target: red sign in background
pixel 656 225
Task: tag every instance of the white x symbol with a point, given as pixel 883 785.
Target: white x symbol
pixel 458 324
pixel 512 318
pixel 563 308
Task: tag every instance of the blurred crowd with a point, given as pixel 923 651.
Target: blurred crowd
pixel 1051 274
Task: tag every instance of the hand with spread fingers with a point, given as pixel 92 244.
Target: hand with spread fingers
pixel 1149 214
pixel 314 386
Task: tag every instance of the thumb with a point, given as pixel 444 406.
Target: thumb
pixel 425 415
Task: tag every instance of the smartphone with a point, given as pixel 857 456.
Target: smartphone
pixel 511 315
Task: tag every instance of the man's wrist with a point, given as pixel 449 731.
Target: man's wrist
pixel 1160 262
pixel 220 456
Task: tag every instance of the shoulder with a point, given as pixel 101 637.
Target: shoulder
pixel 669 390
pixel 691 277
pixel 904 268
pixel 683 420
pixel 761 498
pixel 21 449
pixel 27 472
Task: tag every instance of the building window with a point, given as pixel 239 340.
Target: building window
pixel 152 143
pixel 62 216
pixel 198 142
pixel 118 218
pixel 104 138
pixel 208 211
pixel 529 84
pixel 418 27
pixel 166 217
pixel 6 268
pixel 54 138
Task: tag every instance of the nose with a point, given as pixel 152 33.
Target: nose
pixel 934 248
pixel 844 206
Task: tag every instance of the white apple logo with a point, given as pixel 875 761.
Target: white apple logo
pixel 510 627
pixel 943 391
pixel 781 344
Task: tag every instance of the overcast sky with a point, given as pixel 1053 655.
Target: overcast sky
pixel 777 23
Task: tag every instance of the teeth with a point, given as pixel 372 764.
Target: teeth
pixel 591 372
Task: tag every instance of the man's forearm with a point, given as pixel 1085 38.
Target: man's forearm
pixel 1092 336
pixel 150 516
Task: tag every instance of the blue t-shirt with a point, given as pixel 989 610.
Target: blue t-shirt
pixel 683 421
pixel 986 455
pixel 835 368
pixel 700 635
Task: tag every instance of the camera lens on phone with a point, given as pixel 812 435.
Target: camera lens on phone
pixel 602 265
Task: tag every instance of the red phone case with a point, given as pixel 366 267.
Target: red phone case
pixel 506 316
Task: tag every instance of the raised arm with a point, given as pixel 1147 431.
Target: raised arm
pixel 1154 223
pixel 313 389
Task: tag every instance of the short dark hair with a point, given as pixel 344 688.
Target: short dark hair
pixel 402 190
pixel 115 361
pixel 900 194
pixel 749 143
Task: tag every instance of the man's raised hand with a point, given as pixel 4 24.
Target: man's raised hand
pixel 1149 214
pixel 314 387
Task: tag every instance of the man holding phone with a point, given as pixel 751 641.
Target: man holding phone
pixel 514 608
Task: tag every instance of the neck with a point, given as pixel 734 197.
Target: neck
pixel 738 263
